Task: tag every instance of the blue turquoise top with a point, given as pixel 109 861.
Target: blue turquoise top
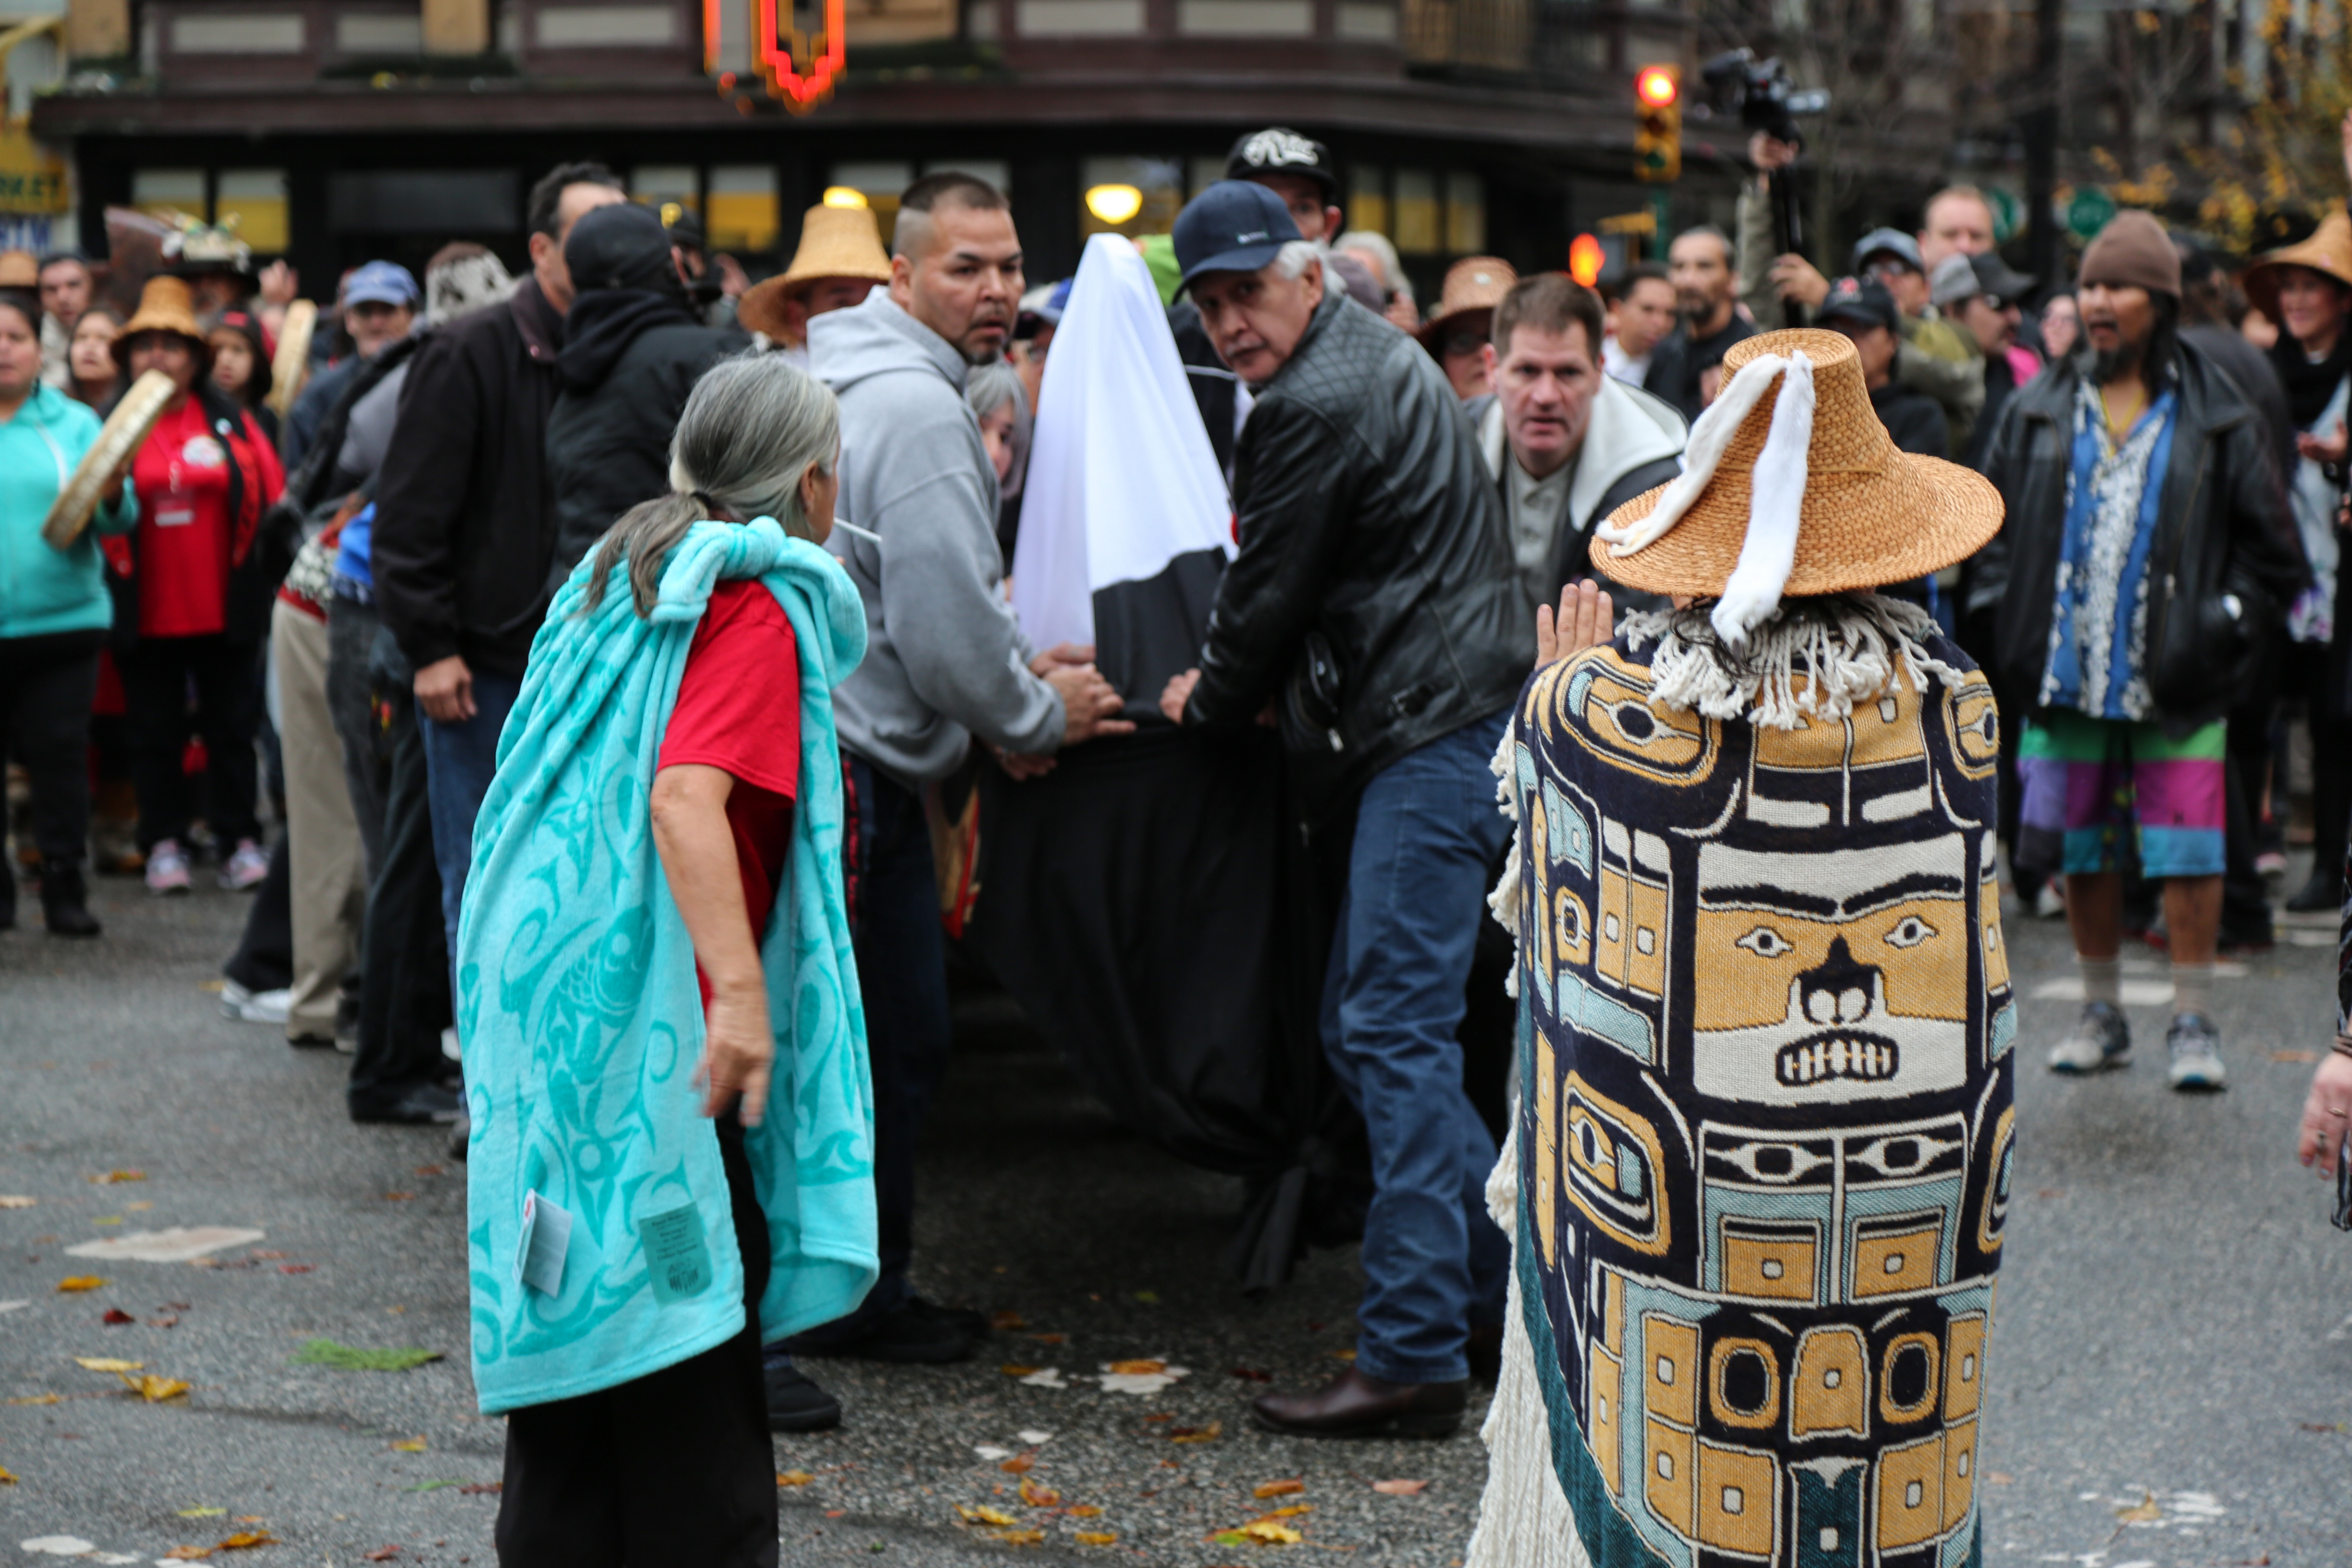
pixel 583 1022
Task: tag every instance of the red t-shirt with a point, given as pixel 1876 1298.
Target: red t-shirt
pixel 186 537
pixel 738 707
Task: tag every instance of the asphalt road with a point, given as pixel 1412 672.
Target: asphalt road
pixel 2171 1376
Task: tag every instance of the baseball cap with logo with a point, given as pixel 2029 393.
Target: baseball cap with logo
pixel 1235 226
pixel 1278 150
pixel 1863 299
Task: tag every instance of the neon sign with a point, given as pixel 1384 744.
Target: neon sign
pixel 781 53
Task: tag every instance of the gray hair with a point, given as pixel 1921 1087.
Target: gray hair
pixel 1292 258
pixel 1376 249
pixel 990 387
pixel 751 428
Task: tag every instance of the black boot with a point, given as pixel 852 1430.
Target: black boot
pixel 7 890
pixel 2324 891
pixel 65 902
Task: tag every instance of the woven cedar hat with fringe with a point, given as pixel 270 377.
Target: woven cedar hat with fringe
pixel 2328 251
pixel 835 242
pixel 165 306
pixel 1791 486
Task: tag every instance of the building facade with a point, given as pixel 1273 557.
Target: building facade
pixel 333 132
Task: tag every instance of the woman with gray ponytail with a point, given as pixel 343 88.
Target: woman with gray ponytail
pixel 658 882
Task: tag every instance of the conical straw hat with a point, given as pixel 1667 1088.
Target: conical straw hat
pixel 1870 515
pixel 2328 251
pixel 835 242
pixel 165 306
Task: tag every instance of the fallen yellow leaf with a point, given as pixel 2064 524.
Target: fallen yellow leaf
pixel 1011 1370
pixel 74 1282
pixel 1277 1489
pixel 2149 1511
pixel 1085 1511
pixel 155 1390
pixel 984 1515
pixel 111 1177
pixel 793 1478
pixel 108 1364
pixel 410 1445
pixel 1208 1434
pixel 187 1554
pixel 1097 1538
pixel 1271 1532
pixel 1400 1488
pixel 1343 1356
pixel 202 1512
pixel 244 1539
pixel 1138 1368
pixel 1006 1322
pixel 36 1399
pixel 141 1204
pixel 12 1201
pixel 1293 1511
pixel 2295 1056
pixel 1037 1495
pixel 7 1479
pixel 1021 1537
pixel 1019 1464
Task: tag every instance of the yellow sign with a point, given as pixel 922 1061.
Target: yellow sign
pixel 32 179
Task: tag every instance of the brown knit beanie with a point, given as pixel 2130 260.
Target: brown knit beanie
pixel 2132 251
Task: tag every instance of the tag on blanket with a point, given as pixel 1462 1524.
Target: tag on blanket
pixel 540 1250
pixel 676 1254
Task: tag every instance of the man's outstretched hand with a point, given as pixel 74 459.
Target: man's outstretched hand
pixel 1177 691
pixel 1090 705
pixel 1585 620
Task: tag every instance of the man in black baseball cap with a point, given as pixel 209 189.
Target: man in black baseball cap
pixel 1296 168
pixel 1374 613
pixel 1864 309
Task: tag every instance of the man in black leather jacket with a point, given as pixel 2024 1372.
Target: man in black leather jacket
pixel 2145 555
pixel 1374 614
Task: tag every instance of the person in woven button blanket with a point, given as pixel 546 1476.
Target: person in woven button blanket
pixel 1758 1176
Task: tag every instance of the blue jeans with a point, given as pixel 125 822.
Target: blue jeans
pixel 458 761
pixel 902 975
pixel 1427 833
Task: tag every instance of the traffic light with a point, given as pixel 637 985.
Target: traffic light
pixel 1658 134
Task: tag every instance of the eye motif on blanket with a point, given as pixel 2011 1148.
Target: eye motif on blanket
pixel 1766 1138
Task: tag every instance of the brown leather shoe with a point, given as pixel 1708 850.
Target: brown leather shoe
pixel 1354 1405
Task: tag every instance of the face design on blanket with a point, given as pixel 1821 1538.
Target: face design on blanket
pixel 1764 1136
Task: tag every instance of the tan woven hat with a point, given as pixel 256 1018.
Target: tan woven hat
pixel 19 269
pixel 2327 251
pixel 835 242
pixel 1864 514
pixel 165 306
pixel 1473 283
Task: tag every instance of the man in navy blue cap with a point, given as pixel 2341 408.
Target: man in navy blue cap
pixel 379 307
pixel 1373 613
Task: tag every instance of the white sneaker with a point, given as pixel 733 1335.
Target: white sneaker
pixel 2196 1047
pixel 245 869
pixel 255 1006
pixel 449 1046
pixel 2099 1041
pixel 167 869
pixel 2048 904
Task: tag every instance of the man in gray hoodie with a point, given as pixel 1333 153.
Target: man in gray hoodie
pixel 945 661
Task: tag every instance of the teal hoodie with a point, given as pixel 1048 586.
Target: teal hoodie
pixel 43 590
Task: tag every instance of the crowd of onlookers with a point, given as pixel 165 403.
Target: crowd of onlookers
pixel 319 607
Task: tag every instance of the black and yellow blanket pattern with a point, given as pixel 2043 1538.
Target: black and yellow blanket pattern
pixel 1765 1131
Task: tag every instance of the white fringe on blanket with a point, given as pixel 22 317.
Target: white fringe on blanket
pixel 1524 1520
pixel 1848 657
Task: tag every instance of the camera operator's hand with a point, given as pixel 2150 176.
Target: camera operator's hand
pixel 1768 152
pixel 1796 279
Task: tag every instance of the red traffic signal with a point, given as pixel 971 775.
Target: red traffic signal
pixel 1658 87
pixel 1585 258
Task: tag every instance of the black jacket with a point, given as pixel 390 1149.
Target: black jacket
pixel 1374 590
pixel 1676 362
pixel 464 518
pixel 1913 419
pixel 2223 531
pixel 630 358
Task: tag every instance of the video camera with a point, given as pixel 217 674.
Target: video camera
pixel 1767 100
